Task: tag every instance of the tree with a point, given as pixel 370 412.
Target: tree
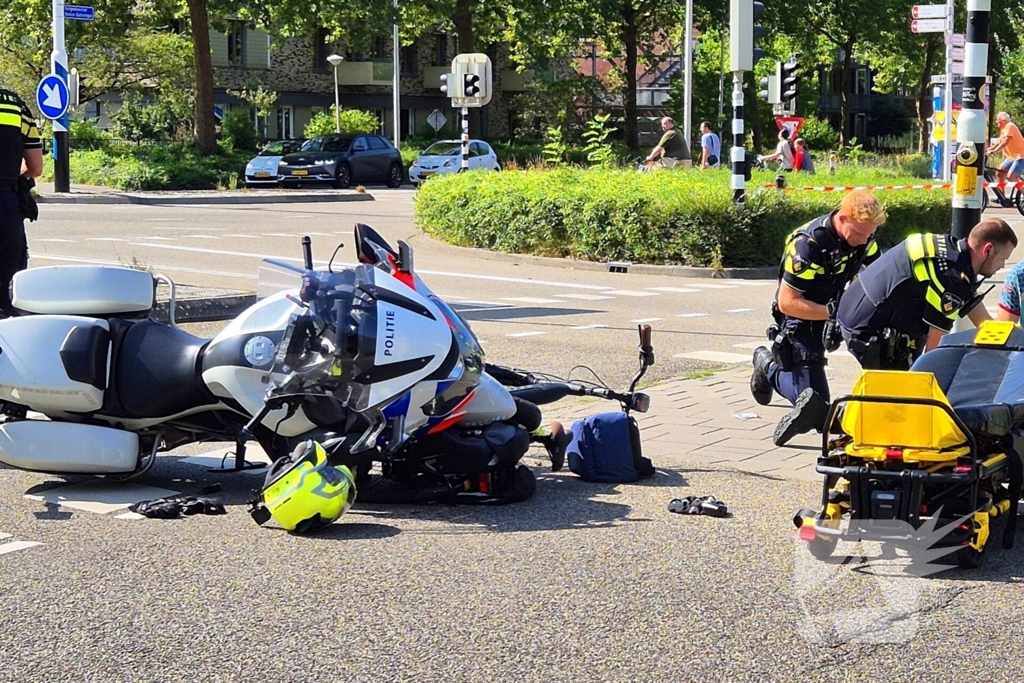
pixel 259 100
pixel 843 25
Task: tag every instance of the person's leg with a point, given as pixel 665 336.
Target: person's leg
pixel 810 406
pixel 13 250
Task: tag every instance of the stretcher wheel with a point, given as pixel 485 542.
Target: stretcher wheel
pixel 969 558
pixel 822 548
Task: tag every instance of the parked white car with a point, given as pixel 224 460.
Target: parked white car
pixel 445 156
pixel 262 170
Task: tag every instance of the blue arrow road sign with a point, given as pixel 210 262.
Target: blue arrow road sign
pixel 79 12
pixel 52 96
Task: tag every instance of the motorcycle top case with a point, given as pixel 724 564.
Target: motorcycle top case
pixel 606 448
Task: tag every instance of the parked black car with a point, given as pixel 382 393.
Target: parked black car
pixel 342 160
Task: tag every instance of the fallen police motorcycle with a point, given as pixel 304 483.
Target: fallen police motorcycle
pixel 369 363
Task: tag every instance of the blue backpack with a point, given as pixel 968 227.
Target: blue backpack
pixel 606 448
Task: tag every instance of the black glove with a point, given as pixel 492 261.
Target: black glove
pixel 832 335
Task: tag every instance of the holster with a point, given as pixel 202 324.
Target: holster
pixel 29 208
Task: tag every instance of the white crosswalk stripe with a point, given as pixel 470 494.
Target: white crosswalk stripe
pixel 627 292
pixel 13 546
pixel 583 297
pixel 675 290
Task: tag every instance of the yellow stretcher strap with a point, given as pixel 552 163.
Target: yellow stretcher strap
pixel 897 424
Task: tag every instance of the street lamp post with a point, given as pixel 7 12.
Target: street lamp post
pixel 396 76
pixel 334 61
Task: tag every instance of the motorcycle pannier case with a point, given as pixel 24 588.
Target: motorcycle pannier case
pixel 97 291
pixel 54 363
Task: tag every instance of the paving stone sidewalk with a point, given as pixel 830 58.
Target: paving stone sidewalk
pixel 714 422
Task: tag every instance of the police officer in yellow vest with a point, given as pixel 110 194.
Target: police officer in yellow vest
pixel 905 302
pixel 821 258
pixel 21 158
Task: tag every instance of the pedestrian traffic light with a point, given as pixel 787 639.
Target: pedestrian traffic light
pixel 770 89
pixel 471 85
pixel 744 34
pixel 789 78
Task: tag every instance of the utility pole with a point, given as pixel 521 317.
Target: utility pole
pixel 971 130
pixel 743 55
pixel 688 64
pixel 59 66
pixel 397 76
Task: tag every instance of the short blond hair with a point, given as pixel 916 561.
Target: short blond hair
pixel 863 207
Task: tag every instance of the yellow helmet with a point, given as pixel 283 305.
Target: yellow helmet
pixel 305 490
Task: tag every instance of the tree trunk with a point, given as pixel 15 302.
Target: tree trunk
pixel 844 129
pixel 924 94
pixel 205 130
pixel 463 20
pixel 629 45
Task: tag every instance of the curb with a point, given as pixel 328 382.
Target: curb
pixel 212 198
pixel 209 309
pixel 763 273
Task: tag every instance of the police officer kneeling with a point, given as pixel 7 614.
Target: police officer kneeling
pixel 907 300
pixel 820 260
pixel 21 159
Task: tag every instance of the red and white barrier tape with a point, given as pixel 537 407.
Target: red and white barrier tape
pixel 1016 184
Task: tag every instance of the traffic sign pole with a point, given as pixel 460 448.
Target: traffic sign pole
pixel 947 156
pixel 971 130
pixel 59 66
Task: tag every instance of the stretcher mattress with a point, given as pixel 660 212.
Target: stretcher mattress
pixel 984 384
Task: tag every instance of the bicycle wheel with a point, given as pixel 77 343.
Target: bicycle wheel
pixel 1018 201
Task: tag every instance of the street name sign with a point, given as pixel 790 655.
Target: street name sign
pixel 928 12
pixel 928 25
pixel 79 12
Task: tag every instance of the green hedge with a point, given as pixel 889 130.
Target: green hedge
pixel 662 217
pixel 155 167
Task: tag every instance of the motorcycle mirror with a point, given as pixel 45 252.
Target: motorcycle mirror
pixel 641 403
pixel 404 257
pixel 307 252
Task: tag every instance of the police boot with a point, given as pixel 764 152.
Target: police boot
pixel 809 413
pixel 760 388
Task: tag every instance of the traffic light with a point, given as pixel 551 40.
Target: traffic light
pixel 744 34
pixel 788 79
pixel 469 84
pixel 770 89
pixel 450 85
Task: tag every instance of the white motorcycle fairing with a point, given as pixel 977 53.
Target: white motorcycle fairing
pixel 66 447
pixel 83 290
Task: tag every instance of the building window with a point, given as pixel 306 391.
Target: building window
pixel 178 26
pixel 236 43
pixel 440 55
pixel 320 51
pixel 407 60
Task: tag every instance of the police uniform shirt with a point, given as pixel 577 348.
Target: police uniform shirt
pixel 922 283
pixel 18 132
pixel 818 264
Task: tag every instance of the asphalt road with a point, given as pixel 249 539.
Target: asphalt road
pixel 584 582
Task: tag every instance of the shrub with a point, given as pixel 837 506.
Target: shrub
pixel 819 134
pixel 352 121
pixel 665 217
pixel 236 129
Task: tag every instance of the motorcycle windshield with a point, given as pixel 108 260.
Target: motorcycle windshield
pixel 278 276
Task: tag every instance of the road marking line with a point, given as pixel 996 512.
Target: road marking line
pixel 739 310
pixel 278 234
pixel 244 236
pixel 71 259
pixel 153 237
pixel 716 286
pixel 531 300
pixel 753 283
pixel 583 297
pixel 646 320
pixel 162 220
pixel 493 278
pixel 201 237
pixel 588 327
pixel 3 536
pixel 56 240
pixel 525 334
pixel 626 292
pixel 104 239
pixel 17 545
pixel 676 290
pixel 715 356
pixel 483 304
pixel 693 315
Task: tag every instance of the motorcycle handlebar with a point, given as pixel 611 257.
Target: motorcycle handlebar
pixel 549 392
